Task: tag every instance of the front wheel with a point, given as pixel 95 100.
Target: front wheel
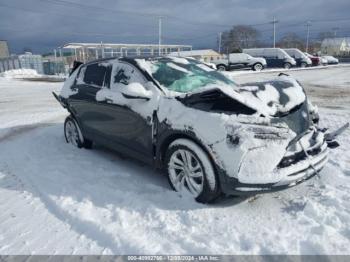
pixel 287 66
pixel 221 68
pixel 258 67
pixel 191 171
pixel 303 65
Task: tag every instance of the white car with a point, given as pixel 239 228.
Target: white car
pixel 331 60
pixel 240 61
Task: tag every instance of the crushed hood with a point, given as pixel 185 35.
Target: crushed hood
pixel 273 98
pixel 278 97
pixel 282 100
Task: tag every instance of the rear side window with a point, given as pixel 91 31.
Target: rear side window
pixel 95 74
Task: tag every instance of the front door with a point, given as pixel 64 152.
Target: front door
pixel 127 122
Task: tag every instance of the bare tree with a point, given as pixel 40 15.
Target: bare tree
pixel 239 37
pixel 324 35
pixel 291 40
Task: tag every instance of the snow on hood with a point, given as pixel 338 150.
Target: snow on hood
pixel 271 98
pixel 279 96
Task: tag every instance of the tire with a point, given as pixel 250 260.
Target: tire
pixel 303 65
pixel 258 67
pixel 73 134
pixel 287 66
pixel 190 170
pixel 221 68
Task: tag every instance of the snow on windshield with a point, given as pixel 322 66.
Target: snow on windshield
pixel 184 75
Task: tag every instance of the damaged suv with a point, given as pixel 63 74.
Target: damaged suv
pixel 208 133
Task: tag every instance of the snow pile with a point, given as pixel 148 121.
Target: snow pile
pixel 56 199
pixel 20 73
pixel 110 205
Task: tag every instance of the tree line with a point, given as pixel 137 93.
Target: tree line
pixel 245 36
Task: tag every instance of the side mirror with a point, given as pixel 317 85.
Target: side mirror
pixel 136 91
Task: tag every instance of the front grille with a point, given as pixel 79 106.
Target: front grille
pixel 299 156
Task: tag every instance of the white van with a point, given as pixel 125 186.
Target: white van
pixel 299 57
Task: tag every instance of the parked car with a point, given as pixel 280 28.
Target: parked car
pixel 209 134
pixel 316 60
pixel 275 57
pixel 324 61
pixel 300 58
pixel 240 61
pixel 331 60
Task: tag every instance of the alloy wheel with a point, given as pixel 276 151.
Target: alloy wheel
pixel 258 67
pixel 186 172
pixel 72 134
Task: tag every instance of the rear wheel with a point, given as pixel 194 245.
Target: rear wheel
pixel 73 134
pixel 287 65
pixel 191 171
pixel 221 68
pixel 258 67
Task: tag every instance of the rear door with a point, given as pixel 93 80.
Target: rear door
pixel 91 79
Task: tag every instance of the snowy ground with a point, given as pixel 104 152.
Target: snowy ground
pixel 55 199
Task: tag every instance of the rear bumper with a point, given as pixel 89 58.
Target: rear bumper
pixel 295 170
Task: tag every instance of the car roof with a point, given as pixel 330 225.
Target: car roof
pixel 127 59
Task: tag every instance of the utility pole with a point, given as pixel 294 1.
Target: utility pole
pixel 159 34
pixel 220 36
pixel 308 24
pixel 274 22
pixel 335 30
pixel 55 66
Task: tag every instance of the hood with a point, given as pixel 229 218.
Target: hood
pixel 282 99
pixel 271 98
pixel 278 96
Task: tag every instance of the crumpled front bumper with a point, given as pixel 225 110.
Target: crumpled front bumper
pixel 298 165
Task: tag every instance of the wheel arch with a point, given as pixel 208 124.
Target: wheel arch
pixel 165 141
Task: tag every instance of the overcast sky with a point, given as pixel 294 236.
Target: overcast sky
pixel 45 24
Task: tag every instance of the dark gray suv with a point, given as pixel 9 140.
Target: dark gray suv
pixel 209 134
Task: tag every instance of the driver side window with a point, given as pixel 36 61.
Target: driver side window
pixel 124 74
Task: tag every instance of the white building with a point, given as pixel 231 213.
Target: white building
pixel 89 51
pixel 4 49
pixel 336 46
pixel 205 55
pixel 30 61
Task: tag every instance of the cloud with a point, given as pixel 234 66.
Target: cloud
pixel 46 24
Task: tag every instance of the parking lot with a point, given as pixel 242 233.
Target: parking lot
pixel 108 204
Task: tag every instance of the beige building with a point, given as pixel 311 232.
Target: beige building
pixel 336 46
pixel 205 55
pixel 4 49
